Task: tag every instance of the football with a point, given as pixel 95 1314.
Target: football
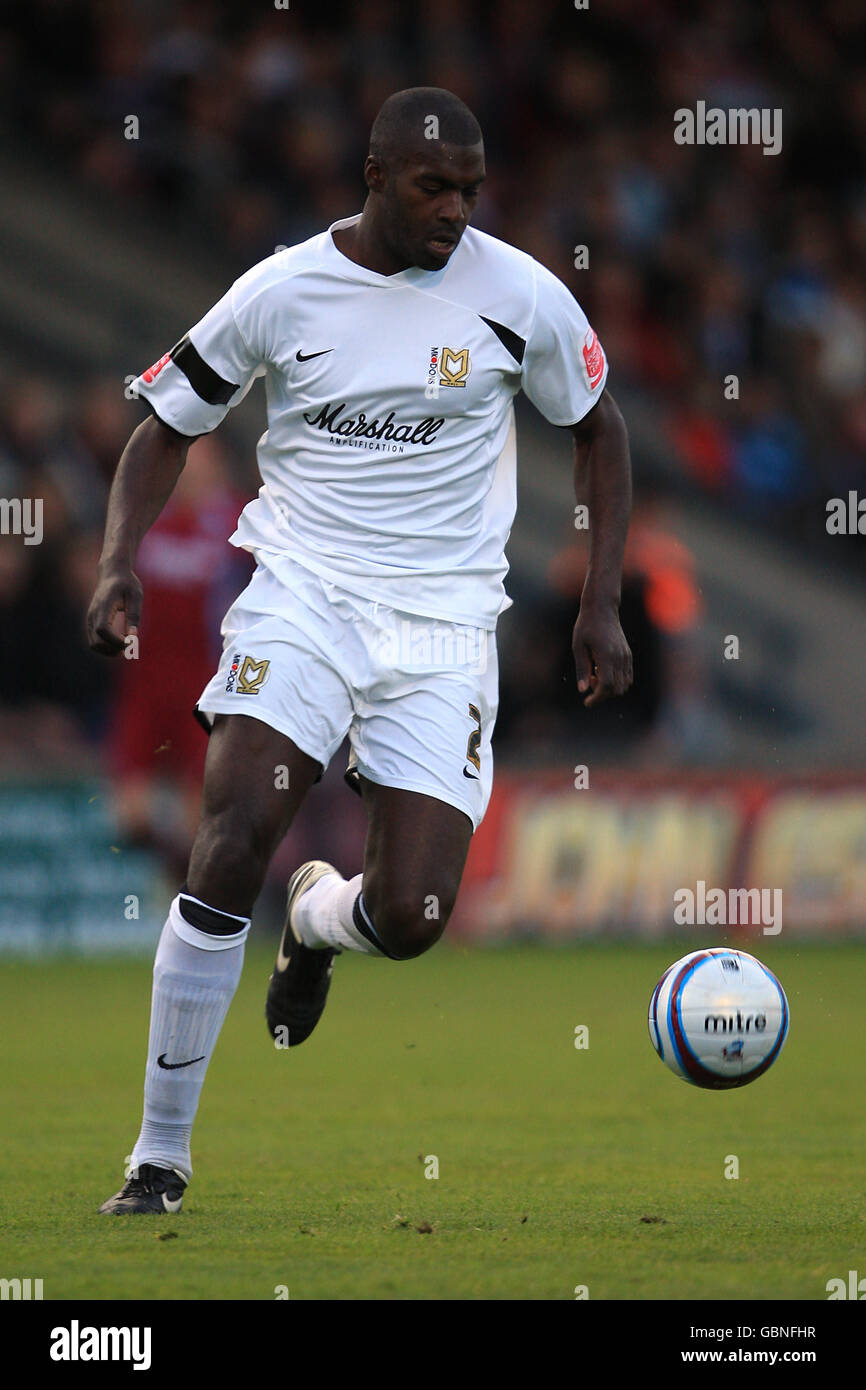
pixel 718 1018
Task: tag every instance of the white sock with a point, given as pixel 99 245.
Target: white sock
pixel 195 975
pixel 324 915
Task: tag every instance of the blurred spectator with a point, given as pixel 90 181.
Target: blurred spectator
pixel 541 711
pixel 768 450
pixel 190 576
pixel 52 691
pixel 55 695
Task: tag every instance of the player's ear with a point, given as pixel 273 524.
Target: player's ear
pixel 375 173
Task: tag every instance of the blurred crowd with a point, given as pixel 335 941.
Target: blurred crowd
pixel 57 700
pixel 703 262
pixel 727 285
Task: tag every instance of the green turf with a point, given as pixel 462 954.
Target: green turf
pixel 309 1163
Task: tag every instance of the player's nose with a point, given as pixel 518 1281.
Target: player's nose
pixel 452 210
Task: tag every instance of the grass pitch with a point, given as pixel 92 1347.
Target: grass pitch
pixel 557 1167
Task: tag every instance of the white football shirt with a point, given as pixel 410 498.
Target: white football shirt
pixel 389 461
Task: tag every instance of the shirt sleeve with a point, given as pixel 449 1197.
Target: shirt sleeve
pixel 192 387
pixel 564 364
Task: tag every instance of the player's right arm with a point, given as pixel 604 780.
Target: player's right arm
pixel 149 467
pixel 190 390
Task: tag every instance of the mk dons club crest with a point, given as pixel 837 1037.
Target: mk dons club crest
pixel 246 676
pixel 454 367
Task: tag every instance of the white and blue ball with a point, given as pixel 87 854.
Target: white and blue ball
pixel 718 1018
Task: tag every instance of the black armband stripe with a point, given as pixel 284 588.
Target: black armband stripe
pixel 510 340
pixel 203 379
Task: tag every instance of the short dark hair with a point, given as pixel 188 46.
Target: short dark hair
pixel 400 126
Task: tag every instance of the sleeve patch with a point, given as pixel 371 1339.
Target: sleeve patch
pixel 593 356
pixel 157 367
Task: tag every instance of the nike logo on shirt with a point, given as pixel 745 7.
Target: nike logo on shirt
pixel 308 356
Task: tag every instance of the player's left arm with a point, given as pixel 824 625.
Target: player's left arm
pixel 564 373
pixel 602 480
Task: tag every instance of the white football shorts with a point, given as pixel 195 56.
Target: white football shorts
pixel 417 696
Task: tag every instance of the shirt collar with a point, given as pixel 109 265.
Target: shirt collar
pixel 412 275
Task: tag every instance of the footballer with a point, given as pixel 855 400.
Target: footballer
pixel 392 346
